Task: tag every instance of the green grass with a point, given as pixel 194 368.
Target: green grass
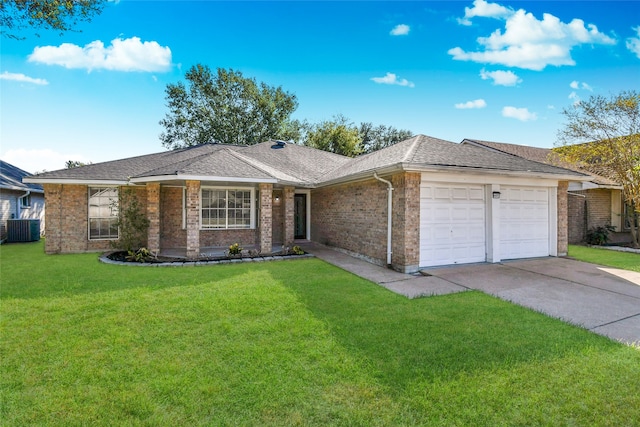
pixel 287 343
pixel 607 257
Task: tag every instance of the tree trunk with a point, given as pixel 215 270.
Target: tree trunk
pixel 635 231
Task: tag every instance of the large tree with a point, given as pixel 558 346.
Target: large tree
pixel 375 138
pixel 338 136
pixel 56 15
pixel 226 108
pixel 602 135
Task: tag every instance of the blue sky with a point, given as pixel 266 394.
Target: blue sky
pixel 498 71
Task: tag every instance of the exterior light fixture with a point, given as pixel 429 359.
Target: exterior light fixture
pixel 496 194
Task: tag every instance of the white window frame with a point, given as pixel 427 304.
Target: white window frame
pixel 25 201
pixel 89 217
pixel 252 208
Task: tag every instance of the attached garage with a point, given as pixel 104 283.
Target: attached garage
pixel 462 223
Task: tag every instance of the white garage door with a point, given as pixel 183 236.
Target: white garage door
pixel 524 222
pixel 452 224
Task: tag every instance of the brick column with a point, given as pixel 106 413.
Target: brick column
pixel 153 215
pixel 405 239
pixel 289 225
pixel 53 218
pixel 563 215
pixel 193 219
pixel 266 218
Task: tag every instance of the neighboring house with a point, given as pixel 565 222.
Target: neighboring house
pixel 18 200
pixel 593 203
pixel 419 203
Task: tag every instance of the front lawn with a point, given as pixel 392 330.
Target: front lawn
pixel 607 257
pixel 286 343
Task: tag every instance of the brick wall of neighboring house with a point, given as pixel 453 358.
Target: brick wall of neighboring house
pixel 577 216
pixel 353 217
pixel 598 207
pixel 563 218
pixel 66 219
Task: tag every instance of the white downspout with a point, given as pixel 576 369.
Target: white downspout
pixel 19 203
pixel 389 214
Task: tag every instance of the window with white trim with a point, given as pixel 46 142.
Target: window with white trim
pixel 227 208
pixel 103 213
pixel 25 201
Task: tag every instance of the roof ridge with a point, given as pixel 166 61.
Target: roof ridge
pixel 413 146
pixel 257 164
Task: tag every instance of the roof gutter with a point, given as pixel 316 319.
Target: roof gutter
pixel 18 205
pixel 389 214
pixel 35 180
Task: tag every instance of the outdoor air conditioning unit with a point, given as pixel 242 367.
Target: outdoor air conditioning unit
pixel 23 230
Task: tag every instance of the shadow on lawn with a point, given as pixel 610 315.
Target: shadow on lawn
pixel 437 337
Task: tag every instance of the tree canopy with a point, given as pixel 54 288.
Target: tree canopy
pixel 336 136
pixel 226 108
pixel 341 136
pixel 602 135
pixel 57 15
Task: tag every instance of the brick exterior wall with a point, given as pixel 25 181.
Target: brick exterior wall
pixel 153 215
pixel 353 217
pixel 193 219
pixel 289 215
pixel 577 218
pixel 406 222
pixel 67 221
pixel 265 230
pixel 172 235
pixel 593 210
pixel 598 207
pixel 278 217
pixel 563 229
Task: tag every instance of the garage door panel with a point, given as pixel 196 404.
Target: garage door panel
pixel 452 224
pixel 524 222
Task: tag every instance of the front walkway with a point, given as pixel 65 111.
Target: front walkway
pixel 601 299
pixel 411 286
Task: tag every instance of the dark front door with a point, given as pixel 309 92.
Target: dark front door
pixel 300 216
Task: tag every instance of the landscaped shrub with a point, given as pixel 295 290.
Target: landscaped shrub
pixel 599 235
pixel 132 222
pixel 235 249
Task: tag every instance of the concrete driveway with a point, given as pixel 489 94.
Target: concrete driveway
pixel 602 299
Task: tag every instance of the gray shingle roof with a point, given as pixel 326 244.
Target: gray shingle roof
pixel 542 155
pixel 11 178
pixel 423 151
pixel 299 165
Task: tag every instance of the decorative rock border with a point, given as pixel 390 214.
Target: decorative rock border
pixel 186 263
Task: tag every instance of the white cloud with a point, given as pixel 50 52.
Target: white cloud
pixel 477 103
pixel 484 9
pixel 18 77
pixel 633 43
pixel 400 30
pixel 529 43
pixel 500 77
pixel 521 114
pixel 577 85
pixel 122 55
pixel 392 79
pixel 37 160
